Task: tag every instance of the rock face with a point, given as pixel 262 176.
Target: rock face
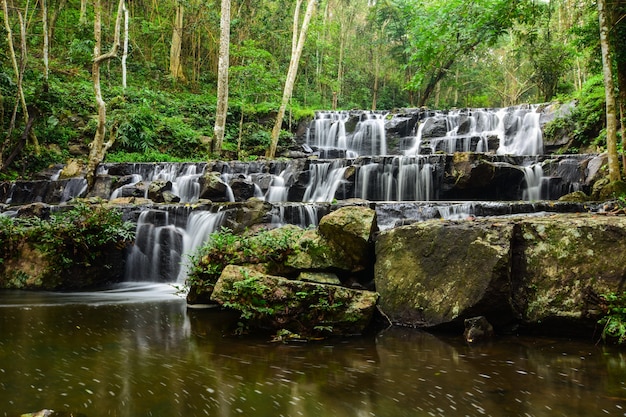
pixel 300 307
pixel 434 272
pixel 535 272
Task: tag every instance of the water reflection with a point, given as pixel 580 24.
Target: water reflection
pixel 151 357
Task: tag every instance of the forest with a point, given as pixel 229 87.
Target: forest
pixel 148 80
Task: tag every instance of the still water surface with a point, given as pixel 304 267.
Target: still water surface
pixel 137 351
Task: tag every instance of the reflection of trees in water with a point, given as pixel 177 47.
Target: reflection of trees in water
pixel 160 358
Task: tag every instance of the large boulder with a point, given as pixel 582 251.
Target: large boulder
pixel 313 252
pixel 565 264
pixel 433 273
pixel 543 273
pixel 300 307
pixel 352 228
pixel 212 187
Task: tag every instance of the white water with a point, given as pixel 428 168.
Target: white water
pixel 326 178
pixel 533 176
pixel 327 132
pixel 162 248
pixel 396 179
pixel 518 132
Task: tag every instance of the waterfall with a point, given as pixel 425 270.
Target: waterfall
pixel 525 137
pixel 327 133
pixel 533 176
pixel 162 244
pixel 396 179
pixel 303 215
pixel 369 136
pixel 326 180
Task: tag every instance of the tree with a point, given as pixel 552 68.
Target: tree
pixel 19 69
pixel 609 87
pixel 98 146
pixel 441 33
pixel 296 52
pixel 222 78
pixel 176 66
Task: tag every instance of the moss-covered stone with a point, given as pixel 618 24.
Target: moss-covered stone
pixel 304 308
pixel 435 272
pixel 566 262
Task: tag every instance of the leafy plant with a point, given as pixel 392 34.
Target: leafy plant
pixel 615 319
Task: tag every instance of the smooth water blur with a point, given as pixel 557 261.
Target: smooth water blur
pixel 137 351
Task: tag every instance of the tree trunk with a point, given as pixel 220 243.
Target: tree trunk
pixel 291 76
pixel 19 69
pixel 222 79
pixel 46 43
pixel 98 146
pixel 609 87
pixel 176 66
pixel 82 18
pixel 125 51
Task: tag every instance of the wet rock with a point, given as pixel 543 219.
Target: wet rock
pixel 435 273
pixel 475 176
pixel 212 187
pixel 544 274
pixel 477 329
pixel 157 190
pixel 300 307
pixel 565 263
pixel 351 228
pixel 243 189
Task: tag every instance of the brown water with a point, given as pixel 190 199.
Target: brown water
pixel 139 352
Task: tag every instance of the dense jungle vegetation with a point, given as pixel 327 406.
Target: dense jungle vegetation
pixel 161 96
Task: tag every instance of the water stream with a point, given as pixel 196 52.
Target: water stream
pixel 136 350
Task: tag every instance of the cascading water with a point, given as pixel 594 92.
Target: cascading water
pixel 396 179
pixel 533 176
pixel 525 137
pixel 327 134
pixel 326 180
pixel 164 241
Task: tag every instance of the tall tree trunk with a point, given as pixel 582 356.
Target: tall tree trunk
pixel 82 17
pixel 176 66
pixel 19 69
pixel 222 79
pixel 291 76
pixel 46 43
pixel 98 146
pixel 125 50
pixel 609 87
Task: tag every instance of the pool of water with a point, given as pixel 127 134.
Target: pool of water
pixel 137 351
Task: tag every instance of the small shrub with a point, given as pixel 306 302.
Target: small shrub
pixel 614 321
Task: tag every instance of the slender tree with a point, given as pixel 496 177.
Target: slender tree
pixel 609 87
pixel 19 69
pixel 222 78
pixel 176 66
pixel 98 146
pixel 293 70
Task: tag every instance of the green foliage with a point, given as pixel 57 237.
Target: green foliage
pixel 227 248
pixel 584 124
pixel 71 237
pixel 246 296
pixel 614 321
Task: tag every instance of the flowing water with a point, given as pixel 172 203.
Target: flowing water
pixel 136 350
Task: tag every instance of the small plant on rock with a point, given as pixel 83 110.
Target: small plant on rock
pixel 615 319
